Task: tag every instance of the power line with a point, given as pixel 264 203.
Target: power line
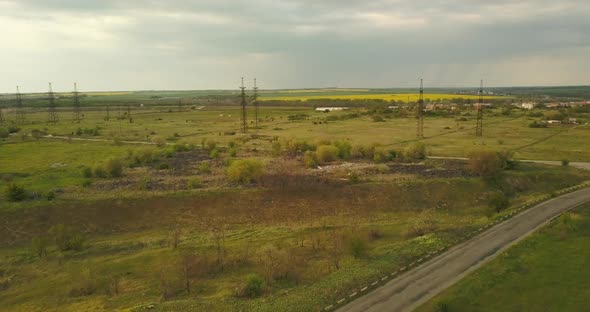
pixel 420 113
pixel 77 109
pixel 244 115
pixel 52 117
pixel 479 126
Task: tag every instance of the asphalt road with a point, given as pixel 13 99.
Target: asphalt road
pixel 410 290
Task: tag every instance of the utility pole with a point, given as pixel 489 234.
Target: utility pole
pixel 255 88
pixel 420 112
pixel 180 105
pixel 18 109
pixel 52 117
pixel 244 116
pixel 77 109
pixel 479 127
pixel 108 116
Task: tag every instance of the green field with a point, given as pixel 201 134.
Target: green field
pixel 545 272
pixel 312 233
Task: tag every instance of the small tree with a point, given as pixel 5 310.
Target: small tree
pixel 485 163
pixel 245 171
pixel 114 167
pixel 327 153
pixel 39 246
pixel 15 193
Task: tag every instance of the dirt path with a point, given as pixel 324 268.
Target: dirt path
pixel 410 290
pixel 575 164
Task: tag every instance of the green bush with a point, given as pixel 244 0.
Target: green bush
pixel 15 193
pixel 381 155
pixel 416 151
pixel 310 159
pixel 87 172
pixel 164 166
pixel 214 154
pixel 232 152
pixel 357 246
pixel 499 202
pixel 4 133
pixel 205 167
pixel 565 162
pixel 254 286
pixel 86 183
pixel 484 163
pixel 39 246
pixel 344 149
pixel 99 172
pixel 245 171
pixel 327 153
pixel 276 149
pixel 114 167
pixel 66 238
pixel 194 183
pixel 50 195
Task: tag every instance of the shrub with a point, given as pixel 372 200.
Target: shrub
pixel 205 167
pixel 99 172
pixel 164 166
pixel 327 153
pixel 499 202
pixel 232 152
pixel 254 286
pixel 357 246
pixel 214 154
pixel 381 155
pixel 310 159
pixel 4 133
pixel 66 238
pixel 245 171
pixel 50 195
pixel 86 183
pixel 536 124
pixel 565 162
pixel 506 161
pixel 159 141
pixel 114 167
pixel 416 151
pixel 211 145
pixel 194 183
pixel 87 172
pixel 377 118
pixel 344 149
pixel 485 163
pixel 293 147
pixel 276 149
pixel 39 246
pixel 15 193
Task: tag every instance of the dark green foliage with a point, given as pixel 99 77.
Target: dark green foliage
pixel 50 195
pixel 344 149
pixel 15 193
pixel 357 246
pixel 3 133
pixel 114 167
pixel 39 246
pixel 499 201
pixel 66 238
pixel 87 172
pixel 254 286
pixel 536 124
pixel 565 162
pixel 99 172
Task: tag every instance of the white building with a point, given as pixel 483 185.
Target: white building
pixel 330 109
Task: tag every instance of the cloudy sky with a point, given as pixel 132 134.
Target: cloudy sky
pixel 209 44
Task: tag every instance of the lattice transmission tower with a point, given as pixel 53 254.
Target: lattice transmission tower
pixel 78 116
pixel 479 126
pixel 18 108
pixel 51 110
pixel 420 113
pixel 255 102
pixel 243 104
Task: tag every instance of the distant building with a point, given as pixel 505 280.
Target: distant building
pixel 330 109
pixel 528 105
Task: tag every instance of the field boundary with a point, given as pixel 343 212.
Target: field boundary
pixel 381 280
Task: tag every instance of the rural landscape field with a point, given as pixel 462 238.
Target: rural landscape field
pixel 377 157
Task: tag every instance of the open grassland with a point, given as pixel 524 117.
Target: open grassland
pixel 404 97
pixel 546 272
pixel 311 240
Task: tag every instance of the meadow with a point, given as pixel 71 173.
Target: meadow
pixel 337 199
pixel 538 274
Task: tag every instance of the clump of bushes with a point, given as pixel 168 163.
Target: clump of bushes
pixel 114 167
pixel 357 246
pixel 536 124
pixel 310 159
pixel 66 238
pixel 15 193
pixel 565 162
pixel 4 133
pixel 253 286
pixel 416 151
pixel 498 202
pixel 245 171
pixel 484 163
pixel 194 183
pixel 205 167
pixel 327 153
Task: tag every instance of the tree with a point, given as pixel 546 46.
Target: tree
pixel 485 163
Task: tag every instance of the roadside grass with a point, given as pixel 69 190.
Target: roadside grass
pixel 545 272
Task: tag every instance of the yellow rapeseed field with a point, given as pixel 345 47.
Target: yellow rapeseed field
pixel 412 97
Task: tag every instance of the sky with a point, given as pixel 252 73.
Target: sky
pixel 209 44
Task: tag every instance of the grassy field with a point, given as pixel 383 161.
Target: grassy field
pixel 321 231
pixel 546 272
